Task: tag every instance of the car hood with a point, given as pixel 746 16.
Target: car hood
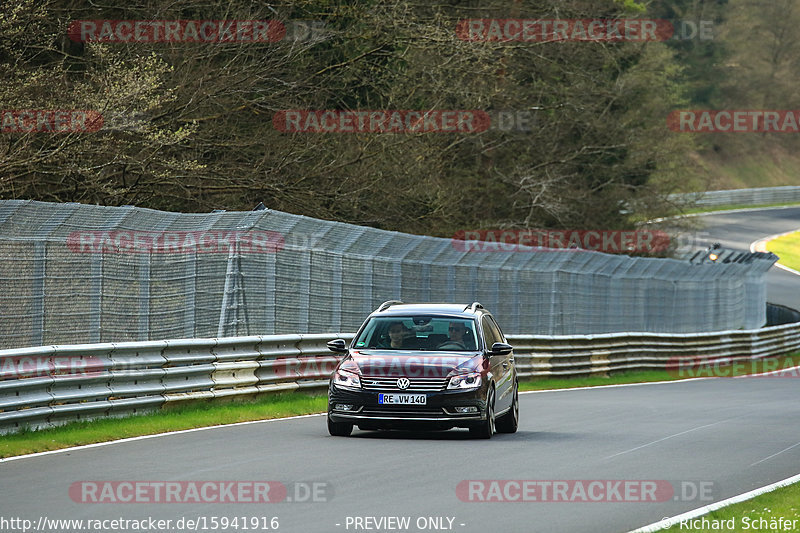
pixel 398 363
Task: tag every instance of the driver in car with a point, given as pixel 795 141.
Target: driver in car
pixel 456 341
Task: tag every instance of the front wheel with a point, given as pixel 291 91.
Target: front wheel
pixel 509 422
pixel 486 429
pixel 339 429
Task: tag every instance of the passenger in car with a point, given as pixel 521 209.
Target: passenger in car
pixel 397 336
pixel 456 341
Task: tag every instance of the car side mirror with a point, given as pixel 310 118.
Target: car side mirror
pixel 337 346
pixel 501 348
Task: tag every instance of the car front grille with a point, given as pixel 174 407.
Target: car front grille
pixel 382 384
pixel 403 411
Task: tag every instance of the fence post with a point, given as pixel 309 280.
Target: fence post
pixel 190 292
pixel 144 296
pixel 336 319
pixel 269 294
pixel 37 288
pixel 96 298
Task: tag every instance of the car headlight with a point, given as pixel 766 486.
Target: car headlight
pixel 465 381
pixel 346 380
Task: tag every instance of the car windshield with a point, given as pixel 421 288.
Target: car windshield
pixel 423 333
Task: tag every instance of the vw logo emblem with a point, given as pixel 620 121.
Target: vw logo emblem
pixel 403 383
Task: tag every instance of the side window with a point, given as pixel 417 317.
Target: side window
pixel 490 334
pixel 498 333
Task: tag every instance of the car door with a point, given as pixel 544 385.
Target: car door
pixel 508 364
pixel 499 364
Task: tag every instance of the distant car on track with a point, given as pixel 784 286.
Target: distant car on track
pixel 435 366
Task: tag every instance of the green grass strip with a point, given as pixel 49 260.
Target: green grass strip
pixel 187 415
pixel 788 249
pixel 770 512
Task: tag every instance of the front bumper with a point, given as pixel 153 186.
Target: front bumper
pixel 439 410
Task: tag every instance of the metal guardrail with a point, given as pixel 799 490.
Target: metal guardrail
pixel 757 196
pixel 47 386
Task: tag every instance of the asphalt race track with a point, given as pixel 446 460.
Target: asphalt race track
pixel 737 230
pixel 705 439
pixel 721 436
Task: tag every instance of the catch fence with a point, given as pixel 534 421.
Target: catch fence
pixel 73 274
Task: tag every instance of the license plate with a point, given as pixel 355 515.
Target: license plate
pixel 402 399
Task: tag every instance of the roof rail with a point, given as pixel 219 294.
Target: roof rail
pixel 387 304
pixel 473 306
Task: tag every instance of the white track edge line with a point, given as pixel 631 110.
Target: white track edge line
pixel 618 385
pixel 671 521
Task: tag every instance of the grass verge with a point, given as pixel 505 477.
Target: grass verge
pixel 182 416
pixel 782 503
pixel 788 249
pixel 619 378
pixel 203 414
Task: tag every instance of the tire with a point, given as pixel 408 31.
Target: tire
pixel 339 429
pixel 487 427
pixel 509 422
